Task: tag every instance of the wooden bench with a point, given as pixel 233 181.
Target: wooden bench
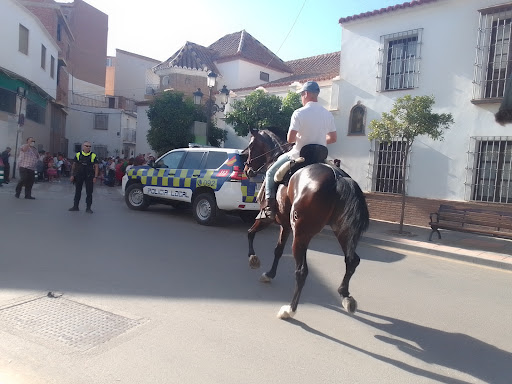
pixel 481 221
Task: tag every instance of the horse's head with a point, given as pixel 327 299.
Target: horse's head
pixel 259 153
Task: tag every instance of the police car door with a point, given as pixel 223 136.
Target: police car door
pixel 185 178
pixel 160 178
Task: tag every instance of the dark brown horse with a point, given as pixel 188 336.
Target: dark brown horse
pixel 316 195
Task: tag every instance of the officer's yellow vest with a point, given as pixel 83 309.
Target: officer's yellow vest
pixel 93 156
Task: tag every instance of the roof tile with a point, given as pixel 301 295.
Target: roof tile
pixel 385 10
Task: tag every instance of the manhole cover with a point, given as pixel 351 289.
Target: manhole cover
pixel 63 321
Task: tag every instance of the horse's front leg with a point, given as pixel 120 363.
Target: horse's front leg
pixel 254 261
pixel 301 273
pixel 278 252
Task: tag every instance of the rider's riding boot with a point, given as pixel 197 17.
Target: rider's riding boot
pixel 269 212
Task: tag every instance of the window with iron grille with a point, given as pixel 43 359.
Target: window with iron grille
pixel 100 151
pixel 490 169
pixel 399 60
pixel 35 112
pixel 493 62
pixel 387 167
pixel 101 121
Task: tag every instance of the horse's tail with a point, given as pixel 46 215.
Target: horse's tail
pixel 354 218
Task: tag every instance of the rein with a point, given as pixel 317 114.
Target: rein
pixel 266 153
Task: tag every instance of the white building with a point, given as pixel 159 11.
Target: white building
pixel 28 64
pixel 457 51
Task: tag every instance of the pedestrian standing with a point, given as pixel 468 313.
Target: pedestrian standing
pixel 27 166
pixel 84 170
pixel 5 158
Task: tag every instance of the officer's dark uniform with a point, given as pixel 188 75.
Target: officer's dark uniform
pixel 84 172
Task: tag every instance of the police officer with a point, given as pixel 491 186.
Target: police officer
pixel 84 169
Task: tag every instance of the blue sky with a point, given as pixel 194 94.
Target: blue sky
pixel 292 29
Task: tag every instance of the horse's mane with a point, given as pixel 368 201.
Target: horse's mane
pixel 273 141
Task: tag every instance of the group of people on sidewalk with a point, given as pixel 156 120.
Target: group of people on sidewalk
pixel 84 170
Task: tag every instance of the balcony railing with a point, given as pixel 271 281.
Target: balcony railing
pixel 101 101
pixel 129 135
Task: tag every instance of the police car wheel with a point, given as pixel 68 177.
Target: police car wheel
pixel 204 209
pixel 135 199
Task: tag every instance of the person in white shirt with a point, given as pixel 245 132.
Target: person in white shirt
pixel 311 124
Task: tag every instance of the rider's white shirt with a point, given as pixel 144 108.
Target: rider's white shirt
pixel 312 123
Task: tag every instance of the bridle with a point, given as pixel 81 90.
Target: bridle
pixel 264 154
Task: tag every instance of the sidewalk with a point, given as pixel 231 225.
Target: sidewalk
pixel 469 247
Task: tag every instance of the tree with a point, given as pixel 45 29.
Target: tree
pixel 171 117
pixel 410 117
pixel 261 110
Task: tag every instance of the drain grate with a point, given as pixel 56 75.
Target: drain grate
pixel 64 322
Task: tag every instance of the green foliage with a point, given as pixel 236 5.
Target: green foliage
pixel 216 136
pixel 261 110
pixel 171 118
pixel 410 117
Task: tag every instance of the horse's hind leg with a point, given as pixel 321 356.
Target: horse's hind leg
pixel 351 262
pixel 258 225
pixel 278 252
pixel 300 248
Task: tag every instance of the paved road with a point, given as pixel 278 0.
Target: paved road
pixel 152 297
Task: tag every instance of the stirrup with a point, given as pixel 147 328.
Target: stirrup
pixel 266 214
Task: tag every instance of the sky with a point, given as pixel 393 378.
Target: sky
pixel 292 29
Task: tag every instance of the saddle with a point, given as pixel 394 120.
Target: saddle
pixel 309 154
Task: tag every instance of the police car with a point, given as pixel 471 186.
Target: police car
pixel 209 179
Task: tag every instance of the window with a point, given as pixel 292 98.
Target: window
pixel 110 62
pixel 35 112
pixel 100 150
pixel 193 160
pixel 215 159
pixel 58 32
pixel 43 56
pixel 101 121
pixel 172 160
pixel 7 101
pixel 493 63
pixel 357 120
pixel 23 40
pixel 52 67
pixel 492 169
pixel 264 76
pixel 399 60
pixel 389 166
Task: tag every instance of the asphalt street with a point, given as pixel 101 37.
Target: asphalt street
pixel 153 297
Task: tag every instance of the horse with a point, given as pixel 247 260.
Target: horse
pixel 316 195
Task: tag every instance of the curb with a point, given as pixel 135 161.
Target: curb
pixel 439 253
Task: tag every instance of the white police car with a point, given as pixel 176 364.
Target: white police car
pixel 210 179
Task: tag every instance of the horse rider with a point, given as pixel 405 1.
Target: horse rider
pixel 310 124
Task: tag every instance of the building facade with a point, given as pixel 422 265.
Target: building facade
pixel 417 49
pixel 28 77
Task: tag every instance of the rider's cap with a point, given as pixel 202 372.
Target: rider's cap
pixel 310 86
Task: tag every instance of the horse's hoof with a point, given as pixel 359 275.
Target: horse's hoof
pixel 285 312
pixel 254 262
pixel 265 279
pixel 349 303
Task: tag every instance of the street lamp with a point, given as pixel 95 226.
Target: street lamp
pixel 22 93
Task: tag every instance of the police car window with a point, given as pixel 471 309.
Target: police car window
pixel 172 160
pixel 192 160
pixel 215 159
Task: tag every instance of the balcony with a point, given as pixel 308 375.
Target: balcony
pixel 129 135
